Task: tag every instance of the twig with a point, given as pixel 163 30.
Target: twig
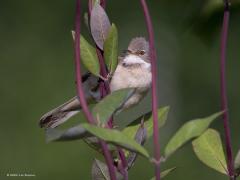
pixel 103 72
pixel 105 89
pixel 153 57
pixel 123 163
pixel 80 91
pixel 224 100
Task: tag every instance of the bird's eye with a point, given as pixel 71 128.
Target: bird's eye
pixel 141 52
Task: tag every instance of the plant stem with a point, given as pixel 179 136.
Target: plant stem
pixel 105 89
pixel 224 100
pixel 80 91
pixel 153 57
pixel 103 72
pixel 123 163
pixel 103 3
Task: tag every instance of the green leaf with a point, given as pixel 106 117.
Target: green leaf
pixel 237 161
pixel 103 110
pixel 132 128
pixel 140 138
pixel 165 173
pixel 208 148
pixel 189 130
pixel 88 56
pixel 116 137
pixel 111 49
pixel 74 133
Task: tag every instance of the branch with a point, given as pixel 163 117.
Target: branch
pixel 103 71
pixel 153 57
pixel 80 91
pixel 224 100
pixel 123 163
pixel 105 89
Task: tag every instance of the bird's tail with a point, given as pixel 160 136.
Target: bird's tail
pixel 60 114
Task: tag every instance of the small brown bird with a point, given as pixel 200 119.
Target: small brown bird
pixel 133 71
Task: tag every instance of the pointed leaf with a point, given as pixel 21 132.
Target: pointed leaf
pixel 237 161
pixel 88 56
pixel 74 133
pixel 131 129
pixel 111 49
pixel 141 134
pixel 99 24
pixel 100 171
pixel 116 137
pixel 103 110
pixel 208 148
pixel 189 130
pixel 165 173
pixel 140 138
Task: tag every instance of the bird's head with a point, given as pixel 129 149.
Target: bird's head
pixel 137 53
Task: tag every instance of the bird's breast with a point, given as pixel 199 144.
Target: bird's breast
pixel 125 77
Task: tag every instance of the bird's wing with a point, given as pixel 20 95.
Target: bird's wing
pixel 68 109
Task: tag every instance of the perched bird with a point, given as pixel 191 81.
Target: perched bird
pixel 133 71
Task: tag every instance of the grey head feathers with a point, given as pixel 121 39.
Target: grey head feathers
pixel 140 47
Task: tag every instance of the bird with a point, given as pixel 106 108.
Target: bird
pixel 133 71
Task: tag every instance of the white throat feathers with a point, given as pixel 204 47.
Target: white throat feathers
pixel 134 59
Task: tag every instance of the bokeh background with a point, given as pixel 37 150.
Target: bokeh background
pixel 37 73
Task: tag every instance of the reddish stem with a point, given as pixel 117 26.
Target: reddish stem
pixel 103 71
pixel 105 89
pixel 103 3
pixel 80 91
pixel 224 100
pixel 123 163
pixel 153 57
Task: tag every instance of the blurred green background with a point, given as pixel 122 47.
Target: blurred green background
pixel 37 73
